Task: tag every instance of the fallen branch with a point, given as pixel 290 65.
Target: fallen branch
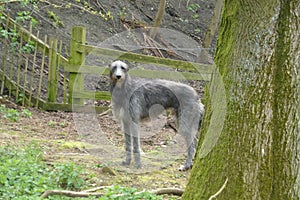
pixel 96 189
pixel 107 112
pixel 91 193
pixel 168 191
pixel 70 193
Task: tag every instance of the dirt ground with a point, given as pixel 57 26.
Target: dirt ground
pixel 57 18
pixel 96 140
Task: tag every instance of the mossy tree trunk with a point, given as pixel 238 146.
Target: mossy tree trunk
pixel 257 155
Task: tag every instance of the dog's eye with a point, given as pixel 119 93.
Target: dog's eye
pixel 123 68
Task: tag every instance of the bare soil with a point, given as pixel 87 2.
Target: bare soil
pixel 65 138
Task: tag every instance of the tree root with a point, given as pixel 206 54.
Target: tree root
pixel 91 193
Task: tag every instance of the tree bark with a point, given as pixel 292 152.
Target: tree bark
pixel 158 18
pixel 256 155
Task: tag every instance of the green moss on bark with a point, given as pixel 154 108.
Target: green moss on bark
pixel 257 150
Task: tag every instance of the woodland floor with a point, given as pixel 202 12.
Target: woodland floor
pixel 74 137
pixel 91 139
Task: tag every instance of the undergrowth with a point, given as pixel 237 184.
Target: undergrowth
pixel 25 175
pixel 12 114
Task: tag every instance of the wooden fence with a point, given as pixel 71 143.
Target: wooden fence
pixel 36 73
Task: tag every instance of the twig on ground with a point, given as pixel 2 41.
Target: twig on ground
pixel 96 189
pixel 70 193
pixel 168 191
pixel 91 193
pixel 105 112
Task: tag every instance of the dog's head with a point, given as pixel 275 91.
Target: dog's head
pixel 118 72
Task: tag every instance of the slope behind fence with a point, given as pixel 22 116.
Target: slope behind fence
pixel 42 77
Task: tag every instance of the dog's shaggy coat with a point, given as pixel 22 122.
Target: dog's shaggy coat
pixel 132 100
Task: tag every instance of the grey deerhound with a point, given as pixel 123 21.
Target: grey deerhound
pixel 133 98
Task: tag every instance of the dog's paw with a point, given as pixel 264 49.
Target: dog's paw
pixel 138 165
pixel 125 162
pixel 185 167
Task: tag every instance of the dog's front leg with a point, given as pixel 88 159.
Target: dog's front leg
pixel 128 146
pixel 136 144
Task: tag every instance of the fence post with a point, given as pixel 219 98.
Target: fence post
pixel 76 80
pixel 52 74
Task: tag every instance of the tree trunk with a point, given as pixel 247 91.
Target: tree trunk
pixel 256 154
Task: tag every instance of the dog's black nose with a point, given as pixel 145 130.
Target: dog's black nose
pixel 118 76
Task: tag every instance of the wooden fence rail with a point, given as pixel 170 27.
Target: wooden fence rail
pixel 46 79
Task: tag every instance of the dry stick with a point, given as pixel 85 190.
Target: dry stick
pixel 33 68
pixel 168 191
pixel 151 42
pixel 105 112
pixel 162 191
pixel 96 189
pixel 69 193
pixel 41 72
pixel 220 190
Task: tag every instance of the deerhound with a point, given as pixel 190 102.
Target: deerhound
pixel 133 98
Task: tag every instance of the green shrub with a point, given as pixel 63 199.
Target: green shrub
pixel 22 173
pixel 122 193
pixel 13 115
pixel 68 176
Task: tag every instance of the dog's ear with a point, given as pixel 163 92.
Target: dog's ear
pixel 127 66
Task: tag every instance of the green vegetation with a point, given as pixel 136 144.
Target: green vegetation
pixel 23 17
pixel 193 7
pixel 127 194
pixel 14 115
pixel 25 175
pixel 55 19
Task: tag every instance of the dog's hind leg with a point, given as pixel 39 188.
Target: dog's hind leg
pixel 190 155
pixel 188 129
pixel 128 146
